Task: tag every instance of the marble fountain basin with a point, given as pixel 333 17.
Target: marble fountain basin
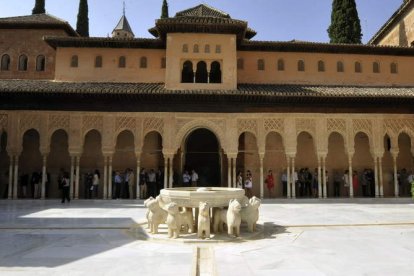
pixel 192 196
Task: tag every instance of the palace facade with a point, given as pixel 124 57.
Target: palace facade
pixel 203 95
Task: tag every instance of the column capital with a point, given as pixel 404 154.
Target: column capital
pixel 108 153
pixel 291 154
pixel 232 155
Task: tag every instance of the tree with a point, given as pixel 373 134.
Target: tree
pixel 82 25
pixel 39 7
pixel 164 12
pixel 345 25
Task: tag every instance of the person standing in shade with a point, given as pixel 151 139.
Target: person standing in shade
pixel 355 183
pixel 65 187
pixel 270 183
pixel 284 183
pixel 239 180
pixel 36 184
pixel 152 183
pixel 248 184
pixel 337 184
pixel 160 180
pixel 129 178
pixel 186 179
pixel 142 184
pixel 118 184
pixel 345 178
pixel 95 184
pixel 315 183
pixel 194 178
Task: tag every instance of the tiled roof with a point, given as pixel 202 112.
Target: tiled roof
pixel 303 46
pixel 203 10
pixel 105 42
pixel 36 21
pixel 272 90
pixel 395 18
pixel 123 25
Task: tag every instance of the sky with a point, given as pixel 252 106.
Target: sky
pixel 273 20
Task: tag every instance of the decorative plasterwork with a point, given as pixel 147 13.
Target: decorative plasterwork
pixel 3 121
pixel 276 125
pixel 59 122
pixel 29 121
pixel 362 125
pixel 305 124
pixel 153 124
pixel 336 125
pixel 394 127
pixel 92 122
pixel 247 125
pixel 125 123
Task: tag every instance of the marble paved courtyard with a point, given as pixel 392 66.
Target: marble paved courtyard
pixel 302 237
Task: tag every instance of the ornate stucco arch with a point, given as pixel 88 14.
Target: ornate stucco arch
pixel 340 132
pixel 197 124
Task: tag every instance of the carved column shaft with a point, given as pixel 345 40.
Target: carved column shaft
pixel 288 180
pixel 234 172
pixel 376 177
pixel 325 189
pixel 350 177
pixel 171 173
pixel 319 178
pixel 381 183
pixel 105 178
pixel 229 162
pixel 165 172
pixel 44 177
pixel 138 175
pixel 10 188
pixel 16 176
pixel 293 178
pixel 396 188
pixel 261 178
pixel 72 169
pixel 77 176
pixel 110 177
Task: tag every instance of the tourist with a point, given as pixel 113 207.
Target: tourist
pixel 404 182
pixel 65 187
pixel 152 183
pixel 315 183
pixel 270 183
pixel 345 178
pixel 142 184
pixel 355 183
pixel 239 180
pixel 129 179
pixel 194 178
pixel 248 184
pixel 295 182
pixel 95 184
pixel 337 184
pixel 160 180
pixel 284 183
pixel 24 179
pixel 118 184
pixel 186 179
pixel 36 184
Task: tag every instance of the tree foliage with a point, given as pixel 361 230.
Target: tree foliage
pixel 82 25
pixel 39 7
pixel 164 12
pixel 345 25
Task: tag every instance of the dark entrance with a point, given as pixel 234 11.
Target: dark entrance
pixel 202 155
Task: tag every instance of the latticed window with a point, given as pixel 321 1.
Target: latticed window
pixel 122 62
pixel 195 48
pixel 98 61
pixel 358 67
pixel 40 63
pixel 376 67
pixel 260 65
pixel 340 67
pixel 185 48
pixel 301 65
pixel 281 65
pixel 207 49
pixel 321 66
pixel 5 63
pixel 240 63
pixel 23 63
pixel 394 68
pixel 218 49
pixel 143 62
pixel 74 61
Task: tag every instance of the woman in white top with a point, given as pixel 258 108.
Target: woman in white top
pixel 95 183
pixel 248 184
pixel 346 183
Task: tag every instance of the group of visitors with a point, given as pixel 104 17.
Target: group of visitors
pixel 150 182
pixel 123 184
pixel 33 185
pixel 405 180
pixel 92 184
pixel 247 184
pixel 190 180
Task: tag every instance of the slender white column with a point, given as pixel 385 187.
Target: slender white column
pixel 350 173
pixel 77 175
pixel 110 177
pixel 396 188
pixel 138 175
pixel 293 180
pixel 16 176
pixel 72 169
pixel 10 189
pixel 171 172
pixel 376 177
pixel 261 178
pixel 319 178
pixel 166 172
pixel 289 180
pixel 229 171
pixel 105 178
pixel 381 183
pixel 234 173
pixel 325 189
pixel 44 177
